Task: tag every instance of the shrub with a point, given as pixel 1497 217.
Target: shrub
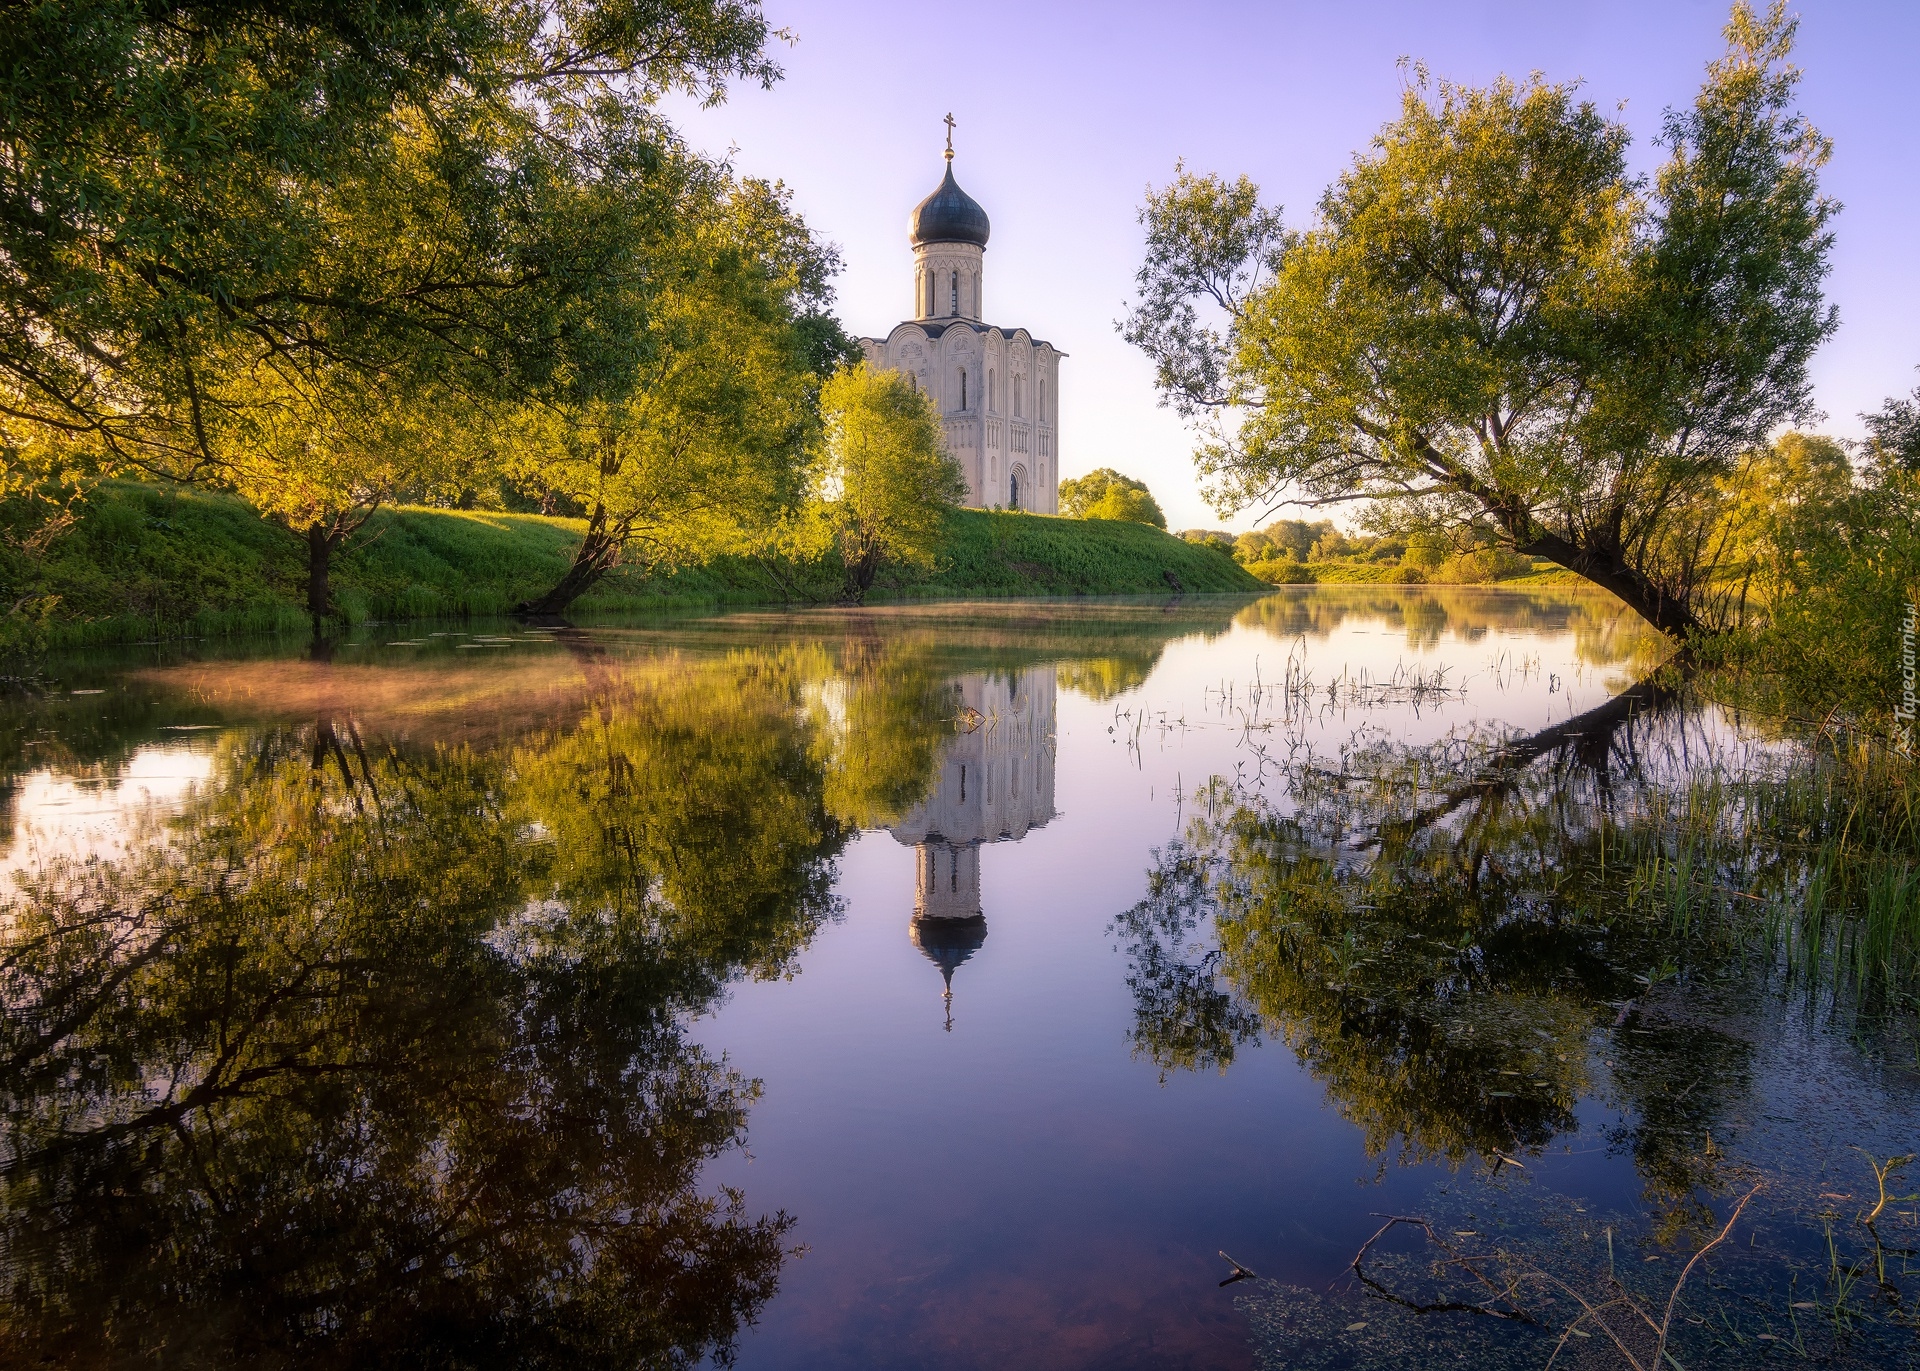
pixel 1481 565
pixel 1281 571
pixel 1126 506
pixel 1081 495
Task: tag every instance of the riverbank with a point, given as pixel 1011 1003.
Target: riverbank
pixel 147 561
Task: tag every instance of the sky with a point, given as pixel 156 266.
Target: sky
pixel 1065 113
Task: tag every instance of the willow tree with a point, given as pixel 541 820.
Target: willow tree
pixel 1493 322
pixel 707 443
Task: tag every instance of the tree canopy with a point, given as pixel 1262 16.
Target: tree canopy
pixel 187 188
pixel 243 238
pixel 1492 321
pixel 1104 493
pixel 710 445
pixel 883 481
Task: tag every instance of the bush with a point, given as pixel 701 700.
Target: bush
pixel 1481 565
pixel 1830 594
pixel 1126 505
pixel 1409 575
pixel 1281 571
pixel 1081 496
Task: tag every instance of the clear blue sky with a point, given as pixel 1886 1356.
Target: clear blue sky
pixel 1067 111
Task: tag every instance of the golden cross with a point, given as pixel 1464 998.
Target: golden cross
pixel 949 123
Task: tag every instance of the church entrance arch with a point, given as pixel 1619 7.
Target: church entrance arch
pixel 1016 485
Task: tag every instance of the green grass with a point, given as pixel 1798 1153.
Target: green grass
pixel 146 561
pixel 995 553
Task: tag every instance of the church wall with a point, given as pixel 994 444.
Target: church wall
pixel 996 782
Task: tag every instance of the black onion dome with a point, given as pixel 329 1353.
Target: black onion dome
pixel 948 943
pixel 949 215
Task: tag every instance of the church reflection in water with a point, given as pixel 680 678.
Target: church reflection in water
pixel 995 784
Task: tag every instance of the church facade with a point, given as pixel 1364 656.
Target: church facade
pixel 995 785
pixel 997 389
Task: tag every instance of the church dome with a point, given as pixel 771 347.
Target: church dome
pixel 949 215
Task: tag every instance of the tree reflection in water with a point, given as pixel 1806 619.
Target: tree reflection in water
pixel 376 1056
pixel 1442 935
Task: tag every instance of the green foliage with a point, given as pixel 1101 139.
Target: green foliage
pixel 709 447
pixel 1282 571
pixel 1210 537
pixel 1494 321
pixel 1480 565
pixel 1828 584
pixel 884 480
pixel 303 256
pixel 1105 494
pixel 1129 506
pixel 1893 436
pixel 418 189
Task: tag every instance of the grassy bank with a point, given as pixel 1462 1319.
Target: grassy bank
pixel 147 561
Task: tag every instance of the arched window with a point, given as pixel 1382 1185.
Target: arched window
pixel 989 392
pixel 1016 486
pixel 955 306
pixel 1043 402
pixel 963 387
pixel 1019 388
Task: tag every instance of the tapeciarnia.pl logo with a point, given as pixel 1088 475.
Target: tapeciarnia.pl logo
pixel 1903 713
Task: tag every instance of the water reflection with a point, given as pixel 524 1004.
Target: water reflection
pixel 408 1025
pixel 383 1047
pixel 1603 632
pixel 1440 932
pixel 995 783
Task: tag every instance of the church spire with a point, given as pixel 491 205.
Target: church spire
pixel 949 123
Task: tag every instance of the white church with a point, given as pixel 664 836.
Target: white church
pixel 995 785
pixel 998 388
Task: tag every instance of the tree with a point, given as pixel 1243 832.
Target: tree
pixel 222 220
pixel 1494 322
pixel 1210 537
pixel 1104 493
pixel 1893 436
pixel 319 453
pixel 710 443
pixel 884 485
pixel 175 177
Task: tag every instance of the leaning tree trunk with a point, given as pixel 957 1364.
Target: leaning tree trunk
pixel 1669 613
pixel 598 551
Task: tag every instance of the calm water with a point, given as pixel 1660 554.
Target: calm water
pixel 936 986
